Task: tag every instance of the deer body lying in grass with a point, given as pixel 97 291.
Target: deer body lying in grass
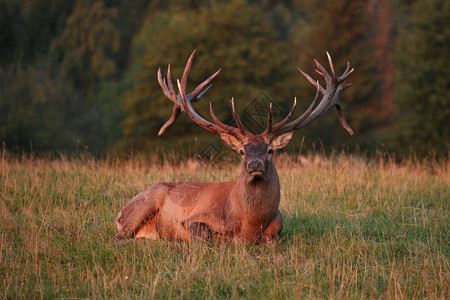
pixel 244 210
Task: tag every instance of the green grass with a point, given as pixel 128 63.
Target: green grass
pixel 352 229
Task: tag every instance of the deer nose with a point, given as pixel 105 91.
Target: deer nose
pixel 255 165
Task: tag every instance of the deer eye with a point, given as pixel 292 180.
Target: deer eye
pixel 241 152
pixel 270 151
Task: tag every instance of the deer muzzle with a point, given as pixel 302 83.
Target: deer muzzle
pixel 255 167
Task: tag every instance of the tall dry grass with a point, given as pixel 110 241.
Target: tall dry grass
pixel 353 228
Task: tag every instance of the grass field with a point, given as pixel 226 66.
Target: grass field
pixel 352 229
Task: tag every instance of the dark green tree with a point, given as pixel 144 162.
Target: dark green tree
pixel 86 53
pixel 233 35
pixel 28 27
pixel 39 111
pixel 88 41
pixel 64 100
pixel 343 28
pixel 423 78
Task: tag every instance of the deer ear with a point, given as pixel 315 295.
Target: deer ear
pixel 231 141
pixel 282 140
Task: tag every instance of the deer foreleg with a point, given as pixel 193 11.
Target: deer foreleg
pixel 273 230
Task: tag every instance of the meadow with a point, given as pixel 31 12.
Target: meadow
pixel 353 228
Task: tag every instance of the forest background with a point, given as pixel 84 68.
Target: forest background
pixel 80 75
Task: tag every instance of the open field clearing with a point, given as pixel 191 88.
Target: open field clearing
pixel 352 229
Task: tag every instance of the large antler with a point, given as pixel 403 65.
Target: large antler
pixel 333 87
pixel 183 102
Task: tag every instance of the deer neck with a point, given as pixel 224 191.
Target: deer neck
pixel 258 196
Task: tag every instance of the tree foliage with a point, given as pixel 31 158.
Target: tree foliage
pixel 38 110
pixel 229 35
pixel 86 43
pixel 423 91
pixel 82 73
pixel 28 27
pixel 342 28
pixel 52 96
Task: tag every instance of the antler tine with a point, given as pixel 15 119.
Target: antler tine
pixel 218 122
pixel 193 115
pixel 171 96
pixel 347 69
pixel 346 73
pixel 344 86
pixel 312 81
pixel 200 96
pixel 293 125
pixel 343 121
pixel 163 85
pixel 236 118
pixel 287 118
pixel 324 73
pixel 194 93
pixel 330 62
pixel 187 68
pixel 308 112
pixel 170 84
pixel 217 126
pixel 175 113
pixel 269 120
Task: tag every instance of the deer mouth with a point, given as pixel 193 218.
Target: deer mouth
pixel 256 173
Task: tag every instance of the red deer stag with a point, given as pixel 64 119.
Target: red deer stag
pixel 244 210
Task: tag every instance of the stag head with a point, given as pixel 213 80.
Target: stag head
pixel 256 150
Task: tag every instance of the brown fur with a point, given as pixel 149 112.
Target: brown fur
pixel 242 210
